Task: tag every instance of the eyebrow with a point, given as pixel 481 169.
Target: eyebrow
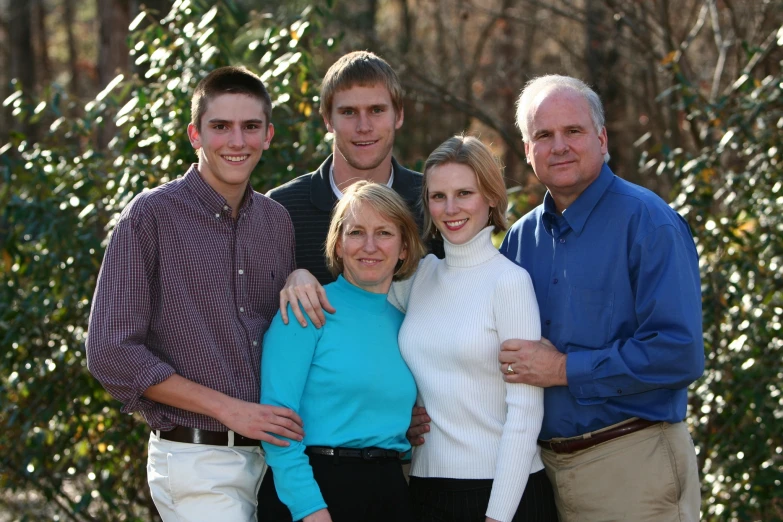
pixel 218 120
pixel 355 106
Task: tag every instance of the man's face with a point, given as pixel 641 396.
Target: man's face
pixel 565 150
pixel 363 121
pixel 234 133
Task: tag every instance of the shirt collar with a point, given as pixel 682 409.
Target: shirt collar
pixel 576 215
pixel 339 193
pixel 213 201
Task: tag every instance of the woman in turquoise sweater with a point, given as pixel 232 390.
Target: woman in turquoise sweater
pixel 347 380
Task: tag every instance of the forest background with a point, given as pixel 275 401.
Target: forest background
pixel 95 104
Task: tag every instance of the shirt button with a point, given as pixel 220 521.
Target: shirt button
pixel 217 216
pixel 241 309
pixel 548 322
pixel 619 391
pixel 225 207
pixel 562 240
pixel 255 343
pixel 241 271
pixel 554 281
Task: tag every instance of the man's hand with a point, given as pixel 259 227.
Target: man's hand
pixel 322 515
pixel 303 290
pixel 419 426
pixel 257 421
pixel 537 363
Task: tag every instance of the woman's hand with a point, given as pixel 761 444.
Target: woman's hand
pixel 302 290
pixel 322 515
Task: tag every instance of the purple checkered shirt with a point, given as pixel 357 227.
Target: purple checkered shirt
pixel 185 288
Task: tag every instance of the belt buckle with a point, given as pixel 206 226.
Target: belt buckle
pixel 370 453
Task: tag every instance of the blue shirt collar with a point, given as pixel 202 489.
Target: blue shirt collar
pixel 576 215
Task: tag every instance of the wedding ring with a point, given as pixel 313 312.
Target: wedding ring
pixel 510 370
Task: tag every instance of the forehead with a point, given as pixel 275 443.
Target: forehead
pixel 364 214
pixel 356 95
pixel 450 175
pixel 559 107
pixel 234 107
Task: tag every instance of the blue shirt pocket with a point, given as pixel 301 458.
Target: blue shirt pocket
pixel 588 320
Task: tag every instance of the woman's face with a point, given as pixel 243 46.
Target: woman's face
pixel 370 245
pixel 458 209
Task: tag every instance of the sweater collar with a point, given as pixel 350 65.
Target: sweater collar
pixel 479 249
pixel 368 301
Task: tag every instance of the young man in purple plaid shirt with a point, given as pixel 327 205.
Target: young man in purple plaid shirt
pixel 188 286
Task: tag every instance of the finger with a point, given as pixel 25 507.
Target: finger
pixel 274 441
pixel 547 342
pixel 418 410
pixel 284 306
pixel 284 431
pixel 417 420
pixel 296 305
pixel 325 304
pixel 416 431
pixel 285 417
pixel 418 441
pixel 506 358
pixel 511 345
pixel 308 298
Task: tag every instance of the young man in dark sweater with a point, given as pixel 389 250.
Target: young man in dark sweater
pixel 361 104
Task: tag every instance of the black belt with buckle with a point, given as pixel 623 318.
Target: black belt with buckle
pixel 213 438
pixel 354 453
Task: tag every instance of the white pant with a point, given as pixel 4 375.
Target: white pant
pixel 195 482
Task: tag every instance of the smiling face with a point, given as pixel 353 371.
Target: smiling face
pixel 363 121
pixel 458 208
pixel 370 246
pixel 565 149
pixel 234 133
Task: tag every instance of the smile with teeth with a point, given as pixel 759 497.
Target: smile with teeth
pixel 364 143
pixel 369 261
pixel 236 159
pixel 454 225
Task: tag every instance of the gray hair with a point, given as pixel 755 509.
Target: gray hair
pixel 551 82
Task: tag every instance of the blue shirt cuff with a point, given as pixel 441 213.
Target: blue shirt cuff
pixel 579 374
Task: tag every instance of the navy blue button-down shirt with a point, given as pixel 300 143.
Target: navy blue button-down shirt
pixel 617 282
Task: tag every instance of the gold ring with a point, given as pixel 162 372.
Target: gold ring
pixel 510 370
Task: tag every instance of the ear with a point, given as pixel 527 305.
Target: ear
pixel 194 136
pixel 270 132
pixel 603 139
pixel 527 152
pixel 338 248
pixel 403 252
pixel 328 125
pixel 399 120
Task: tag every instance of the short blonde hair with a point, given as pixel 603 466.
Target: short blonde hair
pixel 388 204
pixel 469 151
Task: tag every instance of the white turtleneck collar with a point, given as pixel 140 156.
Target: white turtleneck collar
pixel 479 249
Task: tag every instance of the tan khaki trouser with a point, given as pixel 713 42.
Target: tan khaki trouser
pixel 647 476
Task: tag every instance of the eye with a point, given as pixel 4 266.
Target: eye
pixel 354 233
pixel 252 126
pixel 465 193
pixel 348 112
pixel 436 195
pixel 378 110
pixel 219 126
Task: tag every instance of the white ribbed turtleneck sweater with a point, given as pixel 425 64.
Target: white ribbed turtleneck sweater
pixel 458 312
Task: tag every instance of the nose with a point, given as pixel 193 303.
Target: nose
pixel 364 123
pixel 236 138
pixel 370 244
pixel 559 144
pixel 451 206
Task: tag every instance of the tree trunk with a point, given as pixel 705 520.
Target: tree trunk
pixel 22 55
pixel 68 14
pixel 113 57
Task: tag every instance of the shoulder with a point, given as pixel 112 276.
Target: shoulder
pixel 146 205
pixel 270 208
pixel 297 187
pixel 636 199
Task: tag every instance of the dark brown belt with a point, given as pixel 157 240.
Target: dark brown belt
pixel 213 438
pixel 584 442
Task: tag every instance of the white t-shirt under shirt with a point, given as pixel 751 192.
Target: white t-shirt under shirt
pixel 458 312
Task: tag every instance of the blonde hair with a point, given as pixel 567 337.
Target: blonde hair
pixel 388 204
pixel 469 151
pixel 359 68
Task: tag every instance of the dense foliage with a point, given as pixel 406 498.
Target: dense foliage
pixel 63 437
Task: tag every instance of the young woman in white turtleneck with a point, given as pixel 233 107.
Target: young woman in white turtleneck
pixel 480 460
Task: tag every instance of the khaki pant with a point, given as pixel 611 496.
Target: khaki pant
pixel 650 475
pixel 199 482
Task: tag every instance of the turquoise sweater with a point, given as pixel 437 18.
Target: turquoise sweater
pixel 346 380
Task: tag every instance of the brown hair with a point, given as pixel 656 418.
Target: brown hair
pixel 469 151
pixel 359 68
pixel 228 80
pixel 387 203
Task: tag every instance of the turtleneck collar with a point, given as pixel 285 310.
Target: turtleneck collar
pixel 479 249
pixel 368 301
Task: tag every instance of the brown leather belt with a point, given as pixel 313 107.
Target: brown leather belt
pixel 581 443
pixel 213 438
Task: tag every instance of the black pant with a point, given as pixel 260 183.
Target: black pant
pixel 466 500
pixel 355 490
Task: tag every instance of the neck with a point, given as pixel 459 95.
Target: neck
pixel 345 175
pixel 233 194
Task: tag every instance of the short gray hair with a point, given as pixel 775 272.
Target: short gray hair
pixel 552 82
